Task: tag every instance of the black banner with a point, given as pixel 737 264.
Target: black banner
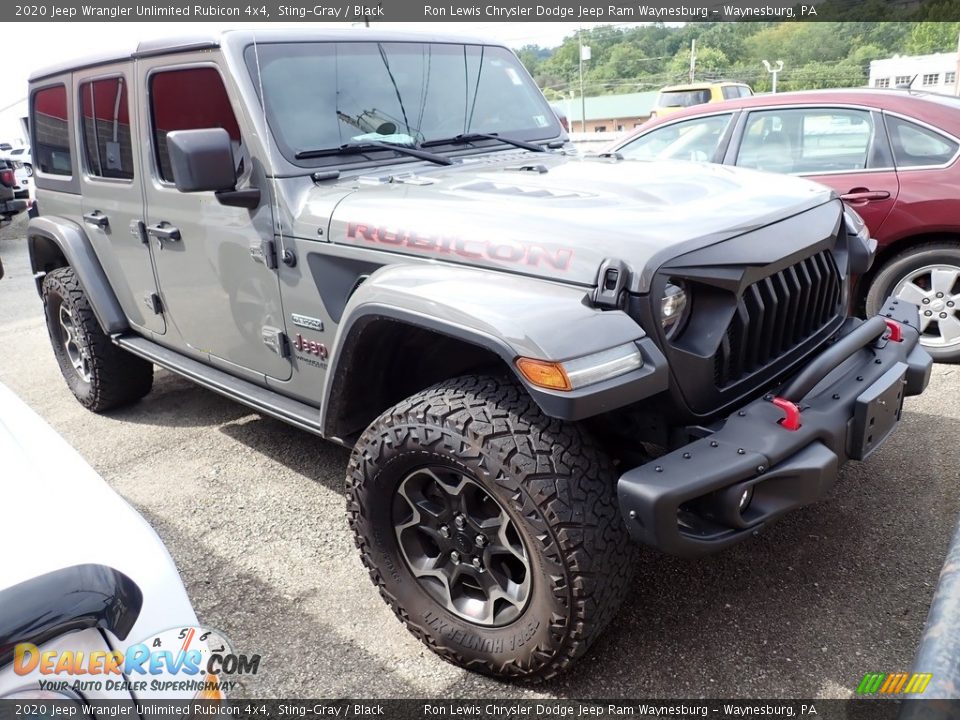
pixel 371 11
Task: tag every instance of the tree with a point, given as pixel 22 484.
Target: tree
pixel 710 63
pixel 932 37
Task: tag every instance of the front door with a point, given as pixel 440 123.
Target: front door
pixel 110 178
pixel 221 300
pixel 842 147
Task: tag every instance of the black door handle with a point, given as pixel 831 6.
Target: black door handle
pixel 96 218
pixel 164 231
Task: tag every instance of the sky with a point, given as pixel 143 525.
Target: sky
pixel 66 41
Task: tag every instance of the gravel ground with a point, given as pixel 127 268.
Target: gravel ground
pixel 253 513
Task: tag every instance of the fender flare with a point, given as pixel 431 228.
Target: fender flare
pixel 46 232
pixel 72 598
pixel 510 316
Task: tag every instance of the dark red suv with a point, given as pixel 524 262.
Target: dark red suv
pixel 891 154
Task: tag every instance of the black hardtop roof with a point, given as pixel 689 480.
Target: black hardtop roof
pixel 187 43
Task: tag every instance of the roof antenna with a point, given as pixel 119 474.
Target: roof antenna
pixel 908 86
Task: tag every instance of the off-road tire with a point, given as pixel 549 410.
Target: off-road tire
pixel 560 492
pixel 943 254
pixel 116 377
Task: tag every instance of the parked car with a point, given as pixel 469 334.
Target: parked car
pixel 22 180
pixel 9 204
pixel 22 155
pixel 76 599
pixel 674 98
pixel 890 154
pixel 534 356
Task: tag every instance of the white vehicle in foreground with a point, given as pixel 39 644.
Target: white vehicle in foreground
pixel 91 603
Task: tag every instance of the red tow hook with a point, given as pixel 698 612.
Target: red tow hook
pixel 791 413
pixel 896 332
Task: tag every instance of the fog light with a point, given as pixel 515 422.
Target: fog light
pixel 745 497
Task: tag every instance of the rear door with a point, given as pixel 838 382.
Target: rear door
pixel 845 148
pixel 110 181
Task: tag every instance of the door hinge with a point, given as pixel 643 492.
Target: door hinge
pixel 153 302
pixel 265 252
pixel 276 340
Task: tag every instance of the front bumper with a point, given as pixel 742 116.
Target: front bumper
pixel 687 502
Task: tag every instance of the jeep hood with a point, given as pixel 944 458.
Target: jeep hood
pixel 559 217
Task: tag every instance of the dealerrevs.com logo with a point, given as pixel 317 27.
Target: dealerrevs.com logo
pixel 187 660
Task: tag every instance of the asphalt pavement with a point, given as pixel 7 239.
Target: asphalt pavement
pixel 253 513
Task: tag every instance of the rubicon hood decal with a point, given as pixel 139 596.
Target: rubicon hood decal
pixel 506 251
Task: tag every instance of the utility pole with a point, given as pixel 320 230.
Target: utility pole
pixel 584 55
pixel 773 70
pixel 693 59
pixel 956 83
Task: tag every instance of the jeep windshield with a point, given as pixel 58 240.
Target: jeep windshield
pixel 323 96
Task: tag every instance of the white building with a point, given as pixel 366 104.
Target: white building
pixel 936 73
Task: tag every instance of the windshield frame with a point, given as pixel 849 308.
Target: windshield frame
pixel 248 58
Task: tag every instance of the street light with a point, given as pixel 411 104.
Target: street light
pixel 773 71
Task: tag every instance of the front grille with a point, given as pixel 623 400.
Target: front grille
pixel 776 314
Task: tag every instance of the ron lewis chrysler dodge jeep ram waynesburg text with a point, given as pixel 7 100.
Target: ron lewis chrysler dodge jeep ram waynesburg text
pixel 535 357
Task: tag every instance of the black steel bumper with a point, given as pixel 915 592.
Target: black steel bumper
pixel 12 207
pixel 688 502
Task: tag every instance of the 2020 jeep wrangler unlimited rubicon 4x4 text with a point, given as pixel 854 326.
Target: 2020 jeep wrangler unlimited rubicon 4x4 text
pixel 534 356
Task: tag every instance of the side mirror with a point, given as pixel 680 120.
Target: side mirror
pixel 202 160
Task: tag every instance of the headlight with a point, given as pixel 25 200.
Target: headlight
pixel 674 307
pixel 581 371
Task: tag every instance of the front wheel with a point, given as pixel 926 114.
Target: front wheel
pixel 928 276
pixel 491 530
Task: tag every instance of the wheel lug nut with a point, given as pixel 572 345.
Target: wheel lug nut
pixel 949 303
pixel 455 556
pixel 480 540
pixel 445 531
pixel 928 313
pixel 476 563
pixel 940 295
pixel 943 315
pixel 926 301
pixel 459 521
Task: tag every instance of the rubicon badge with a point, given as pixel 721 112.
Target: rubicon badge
pixel 305 321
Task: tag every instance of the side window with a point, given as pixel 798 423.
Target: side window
pixel 917 146
pixel 51 149
pixel 809 141
pixel 696 139
pixel 730 92
pixel 105 125
pixel 745 91
pixel 189 99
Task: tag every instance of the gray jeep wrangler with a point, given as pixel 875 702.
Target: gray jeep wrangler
pixel 386 241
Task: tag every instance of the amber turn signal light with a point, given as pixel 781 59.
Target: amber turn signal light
pixel 542 373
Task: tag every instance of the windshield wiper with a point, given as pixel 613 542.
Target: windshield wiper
pixel 472 137
pixel 359 148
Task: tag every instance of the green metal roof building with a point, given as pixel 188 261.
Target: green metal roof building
pixel 608 113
